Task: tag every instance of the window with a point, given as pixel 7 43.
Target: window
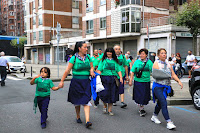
pixel 34 20
pixel 89 5
pixel 135 19
pixel 40 20
pixel 181 2
pixel 125 20
pixel 103 2
pixel 41 35
pixel 34 35
pixel 125 2
pixel 18 5
pixel 75 4
pixel 18 16
pixel 12 27
pixel 137 2
pixel 103 23
pixel 39 4
pixel 18 26
pixel 131 20
pixel 10 7
pixel 34 4
pixel 11 13
pixel 75 20
pixel 89 27
pixel 11 33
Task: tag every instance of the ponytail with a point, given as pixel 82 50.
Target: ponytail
pixel 77 46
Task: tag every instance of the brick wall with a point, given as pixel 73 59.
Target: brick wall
pixel 47 5
pixel 108 4
pixel 84 29
pixel 63 5
pixel 65 21
pixel 83 8
pixel 157 3
pixel 153 15
pixel 96 27
pixel 48 17
pixel 108 25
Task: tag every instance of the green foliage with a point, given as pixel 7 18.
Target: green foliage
pixel 22 41
pixel 189 17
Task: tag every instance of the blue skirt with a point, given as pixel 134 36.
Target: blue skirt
pixel 111 92
pixel 141 92
pixel 79 91
pixel 121 87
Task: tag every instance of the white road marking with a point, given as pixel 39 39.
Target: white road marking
pixel 13 78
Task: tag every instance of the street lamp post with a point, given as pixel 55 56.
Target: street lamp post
pixel 58 29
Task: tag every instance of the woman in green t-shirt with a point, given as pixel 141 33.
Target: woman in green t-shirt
pixel 109 69
pixel 80 89
pixel 141 91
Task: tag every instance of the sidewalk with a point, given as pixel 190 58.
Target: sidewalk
pixel 36 70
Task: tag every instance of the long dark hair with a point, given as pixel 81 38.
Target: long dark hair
pixel 113 54
pixel 77 46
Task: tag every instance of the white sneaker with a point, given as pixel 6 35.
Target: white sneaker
pixel 170 125
pixel 155 119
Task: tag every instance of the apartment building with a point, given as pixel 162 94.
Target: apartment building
pixel 41 20
pixel 106 24
pixel 12 17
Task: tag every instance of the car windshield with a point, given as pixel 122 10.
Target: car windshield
pixel 13 59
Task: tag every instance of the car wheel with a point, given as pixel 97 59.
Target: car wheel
pixel 179 74
pixel 196 97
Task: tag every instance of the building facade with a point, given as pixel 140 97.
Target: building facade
pixel 41 20
pixel 106 24
pixel 12 17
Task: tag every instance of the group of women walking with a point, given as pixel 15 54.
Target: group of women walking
pixel 114 69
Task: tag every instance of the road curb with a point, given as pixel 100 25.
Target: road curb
pixel 179 101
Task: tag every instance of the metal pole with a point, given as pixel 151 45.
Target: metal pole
pixel 148 41
pixel 58 55
pixel 31 72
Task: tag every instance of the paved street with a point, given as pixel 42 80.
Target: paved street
pixel 17 115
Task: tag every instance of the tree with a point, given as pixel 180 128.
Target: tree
pixel 189 17
pixel 22 41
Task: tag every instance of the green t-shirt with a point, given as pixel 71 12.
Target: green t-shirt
pixel 96 61
pixel 138 65
pixel 81 67
pixel 122 63
pixel 43 87
pixel 109 67
pixel 128 62
pixel 101 55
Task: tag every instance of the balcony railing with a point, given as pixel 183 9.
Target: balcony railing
pixel 167 23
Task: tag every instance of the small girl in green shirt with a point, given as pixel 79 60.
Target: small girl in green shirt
pixel 42 94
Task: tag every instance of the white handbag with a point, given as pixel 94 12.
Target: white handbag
pixel 99 86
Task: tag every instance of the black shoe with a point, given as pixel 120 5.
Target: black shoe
pixel 78 120
pixel 123 105
pixel 88 124
pixel 142 113
pixel 2 83
pixel 43 125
